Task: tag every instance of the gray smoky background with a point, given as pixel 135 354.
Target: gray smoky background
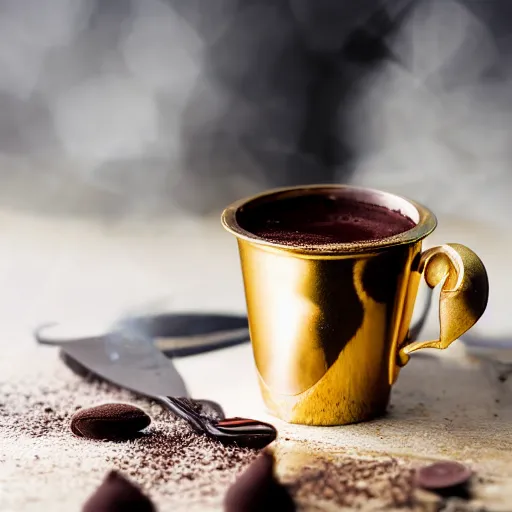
pixel 112 108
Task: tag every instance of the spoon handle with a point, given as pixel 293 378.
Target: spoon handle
pixel 183 411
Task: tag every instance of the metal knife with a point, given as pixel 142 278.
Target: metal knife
pixel 129 359
pixel 175 334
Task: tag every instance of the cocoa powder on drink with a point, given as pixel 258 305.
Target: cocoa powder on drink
pixel 321 218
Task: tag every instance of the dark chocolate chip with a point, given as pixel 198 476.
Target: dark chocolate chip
pixel 109 421
pixel 257 490
pixel 117 494
pixel 442 476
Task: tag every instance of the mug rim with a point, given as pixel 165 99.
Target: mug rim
pixel 425 220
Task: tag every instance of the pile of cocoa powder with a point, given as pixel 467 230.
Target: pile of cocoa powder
pixel 352 482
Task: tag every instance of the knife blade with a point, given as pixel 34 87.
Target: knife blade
pixel 130 362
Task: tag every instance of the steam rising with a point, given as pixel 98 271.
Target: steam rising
pixel 124 106
pixel 27 35
pixel 94 96
pixel 436 125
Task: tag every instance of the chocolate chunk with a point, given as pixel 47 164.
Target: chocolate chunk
pixel 109 421
pixel 257 489
pixel 442 476
pixel 117 494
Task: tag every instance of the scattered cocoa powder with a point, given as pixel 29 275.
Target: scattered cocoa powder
pixel 182 460
pixel 353 482
pixel 168 461
pixel 178 469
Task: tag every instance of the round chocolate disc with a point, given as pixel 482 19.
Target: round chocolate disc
pixel 442 475
pixel 109 421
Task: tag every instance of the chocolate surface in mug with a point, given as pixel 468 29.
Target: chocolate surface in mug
pixel 321 218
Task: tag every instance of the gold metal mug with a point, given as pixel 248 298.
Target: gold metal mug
pixel 330 324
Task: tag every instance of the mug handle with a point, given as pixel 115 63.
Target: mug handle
pixel 463 298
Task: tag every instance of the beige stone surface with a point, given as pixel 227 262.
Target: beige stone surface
pixel 445 406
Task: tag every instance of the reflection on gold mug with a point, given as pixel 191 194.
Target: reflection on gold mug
pixel 330 326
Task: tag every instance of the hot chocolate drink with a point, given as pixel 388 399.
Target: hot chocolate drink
pixel 321 219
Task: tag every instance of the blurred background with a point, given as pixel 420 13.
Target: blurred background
pixel 126 126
